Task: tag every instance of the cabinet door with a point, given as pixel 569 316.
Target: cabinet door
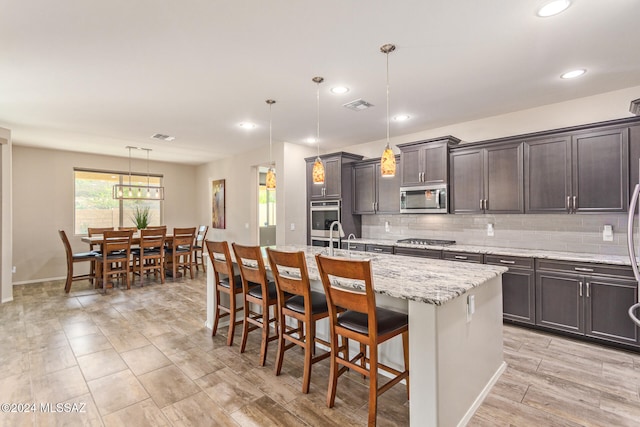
pixel 607 301
pixel 467 181
pixel 547 175
pixel 313 190
pixel 503 186
pixel 364 188
pixel 634 157
pixel 435 163
pixel 333 177
pixel 388 190
pixel 411 166
pixel 559 301
pixel 600 171
pixel 518 295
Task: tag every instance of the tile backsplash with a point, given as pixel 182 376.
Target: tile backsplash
pixel 570 233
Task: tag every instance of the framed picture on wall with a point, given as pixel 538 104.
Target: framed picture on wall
pixel 217 204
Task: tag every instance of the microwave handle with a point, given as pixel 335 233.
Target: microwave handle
pixel 438 199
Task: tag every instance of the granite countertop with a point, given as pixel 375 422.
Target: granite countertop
pixel 429 281
pixel 530 253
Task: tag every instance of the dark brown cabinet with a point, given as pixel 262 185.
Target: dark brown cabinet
pixel 518 287
pixel 487 179
pixel 425 162
pixel 373 193
pixel 586 299
pixel 581 172
pixel 419 252
pixel 634 157
pixel 463 256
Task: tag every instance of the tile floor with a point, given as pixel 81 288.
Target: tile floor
pixel 143 357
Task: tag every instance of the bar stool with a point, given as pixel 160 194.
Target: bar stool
pixel 362 321
pixel 199 247
pixel 149 255
pixel 296 300
pixel 223 276
pixel 115 257
pixel 249 260
pixel 179 254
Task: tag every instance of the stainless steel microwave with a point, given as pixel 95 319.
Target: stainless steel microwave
pixel 424 199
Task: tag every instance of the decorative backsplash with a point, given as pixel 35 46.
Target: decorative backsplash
pixel 570 233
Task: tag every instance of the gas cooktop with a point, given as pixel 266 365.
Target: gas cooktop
pixel 416 241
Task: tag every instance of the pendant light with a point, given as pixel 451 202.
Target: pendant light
pixel 318 167
pixel 138 192
pixel 388 160
pixel 271 173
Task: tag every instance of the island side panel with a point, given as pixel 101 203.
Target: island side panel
pixel 470 353
pixel 423 365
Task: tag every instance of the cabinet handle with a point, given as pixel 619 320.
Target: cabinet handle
pixel 588 270
pixel 373 205
pixel 461 257
pixel 504 261
pixel 480 204
pixel 580 288
pixel 377 249
pixel 485 204
pixel 568 204
pixel 588 286
pixel 575 205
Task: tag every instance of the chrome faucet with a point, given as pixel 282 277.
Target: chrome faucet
pixel 349 243
pixel 340 231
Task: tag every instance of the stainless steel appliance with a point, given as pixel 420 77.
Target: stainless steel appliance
pixel 324 242
pixel 632 251
pixel 424 199
pixel 427 242
pixel 321 215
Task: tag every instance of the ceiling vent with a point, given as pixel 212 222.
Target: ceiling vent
pixel 635 107
pixel 358 105
pixel 163 137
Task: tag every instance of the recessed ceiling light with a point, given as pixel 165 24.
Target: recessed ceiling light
pixel 339 90
pixel 401 117
pixel 553 8
pixel 310 140
pixel 247 125
pixel 573 74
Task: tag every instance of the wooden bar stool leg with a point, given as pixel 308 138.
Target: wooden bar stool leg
pixel 373 385
pixel 405 348
pixel 333 372
pixel 265 335
pixel 216 315
pixel 309 345
pixel 232 317
pixel 245 327
pixel 281 345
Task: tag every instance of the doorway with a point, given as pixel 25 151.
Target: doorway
pixel 266 210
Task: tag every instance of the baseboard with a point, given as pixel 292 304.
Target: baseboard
pixel 485 392
pixel 29 282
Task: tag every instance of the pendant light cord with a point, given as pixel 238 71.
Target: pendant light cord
pixel 387 98
pixel 318 118
pixel 270 129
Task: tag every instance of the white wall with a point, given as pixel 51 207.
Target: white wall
pixel 6 235
pixel 43 202
pixel 241 184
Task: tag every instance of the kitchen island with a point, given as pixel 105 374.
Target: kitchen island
pixel 455 355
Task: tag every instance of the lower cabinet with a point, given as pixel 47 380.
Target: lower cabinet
pixel 518 288
pixel 586 299
pixel 419 252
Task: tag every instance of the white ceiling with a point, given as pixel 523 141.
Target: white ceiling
pixel 96 76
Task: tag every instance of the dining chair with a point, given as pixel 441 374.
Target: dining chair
pixel 179 254
pixel 115 257
pixel 134 229
pixel 73 258
pixel 251 264
pixel 149 255
pixel 96 247
pixel 226 282
pixel 363 322
pixel 297 301
pixel 199 247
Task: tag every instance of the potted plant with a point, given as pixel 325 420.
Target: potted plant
pixel 141 217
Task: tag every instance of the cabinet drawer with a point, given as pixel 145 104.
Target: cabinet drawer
pixel 584 268
pixel 381 249
pixel 354 246
pixel 463 257
pixel 509 261
pixel 419 252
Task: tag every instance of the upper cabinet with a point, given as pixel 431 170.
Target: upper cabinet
pixel 425 162
pixel 634 157
pixel 333 176
pixel 487 179
pixel 584 171
pixel 373 193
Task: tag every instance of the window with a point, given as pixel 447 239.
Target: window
pixel 266 202
pixel 96 207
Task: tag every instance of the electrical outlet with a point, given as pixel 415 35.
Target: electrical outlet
pixel 490 230
pixel 293 226
pixel 13 269
pixel 387 227
pixel 607 233
pixel 471 306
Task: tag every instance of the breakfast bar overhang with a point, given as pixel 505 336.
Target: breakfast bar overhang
pixel 455 328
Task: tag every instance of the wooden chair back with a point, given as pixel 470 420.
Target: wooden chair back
pixel 220 258
pixel 290 272
pixel 345 270
pixel 153 239
pixel 117 243
pixel 134 229
pixel 183 238
pixel 72 258
pixel 97 231
pixel 156 227
pixel 201 235
pixel 251 264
